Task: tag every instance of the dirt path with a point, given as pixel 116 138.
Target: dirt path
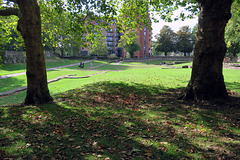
pixel 6 93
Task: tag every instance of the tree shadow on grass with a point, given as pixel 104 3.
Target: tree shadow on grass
pixel 233 86
pixel 13 67
pixel 114 121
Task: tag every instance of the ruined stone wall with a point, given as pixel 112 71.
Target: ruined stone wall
pixel 12 57
pixel 167 58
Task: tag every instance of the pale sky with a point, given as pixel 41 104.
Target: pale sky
pixel 175 25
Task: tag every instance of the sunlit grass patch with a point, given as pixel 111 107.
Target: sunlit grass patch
pixel 121 120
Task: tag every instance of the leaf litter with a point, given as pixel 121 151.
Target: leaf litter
pixel 119 121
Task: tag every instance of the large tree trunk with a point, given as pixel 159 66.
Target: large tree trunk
pixel 29 25
pixel 207 82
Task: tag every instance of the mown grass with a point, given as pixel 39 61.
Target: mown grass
pixel 6 69
pixel 110 120
pixel 128 114
pixel 20 81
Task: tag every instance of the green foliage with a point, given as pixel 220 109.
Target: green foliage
pixel 232 32
pixel 10 38
pixel 99 48
pixel 129 43
pixel 165 9
pixel 112 56
pixel 129 14
pixel 184 40
pixel 166 40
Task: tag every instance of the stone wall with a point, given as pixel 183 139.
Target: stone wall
pixel 167 58
pixel 12 57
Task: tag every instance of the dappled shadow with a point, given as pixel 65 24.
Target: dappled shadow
pixel 120 121
pixel 13 67
pixel 57 132
pixel 233 86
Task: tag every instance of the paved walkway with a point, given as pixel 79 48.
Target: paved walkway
pixel 54 68
pixel 6 93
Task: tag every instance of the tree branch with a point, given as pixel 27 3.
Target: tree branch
pixel 15 1
pixel 9 12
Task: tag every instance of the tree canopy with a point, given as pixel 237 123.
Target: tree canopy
pixel 232 33
pixel 79 15
pixel 184 40
pixel 165 40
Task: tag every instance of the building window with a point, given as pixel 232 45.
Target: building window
pixel 109 39
pixel 145 29
pixel 109 43
pixel 144 33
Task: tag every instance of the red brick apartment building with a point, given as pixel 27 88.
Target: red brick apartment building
pixel 112 38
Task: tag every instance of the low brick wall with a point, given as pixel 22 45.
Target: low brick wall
pixel 167 58
pixel 12 57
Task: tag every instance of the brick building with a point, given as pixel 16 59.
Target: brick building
pixel 112 38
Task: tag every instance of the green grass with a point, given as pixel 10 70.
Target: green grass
pixel 20 81
pixel 18 68
pixel 129 114
pixel 119 120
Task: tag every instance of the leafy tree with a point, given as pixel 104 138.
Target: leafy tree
pixel 232 33
pixel 207 82
pixel 129 43
pixel 184 40
pixel 100 48
pixel 194 34
pixel 29 25
pixel 166 40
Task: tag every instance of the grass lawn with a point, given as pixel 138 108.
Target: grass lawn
pixel 50 63
pixel 128 114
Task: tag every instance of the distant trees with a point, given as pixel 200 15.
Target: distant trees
pixel 165 40
pixel 184 40
pixel 169 41
pixel 232 32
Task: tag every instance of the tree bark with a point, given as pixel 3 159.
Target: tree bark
pixel 207 81
pixel 29 25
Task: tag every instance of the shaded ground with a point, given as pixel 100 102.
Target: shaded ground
pixel 121 121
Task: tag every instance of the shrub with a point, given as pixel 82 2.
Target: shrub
pixel 112 56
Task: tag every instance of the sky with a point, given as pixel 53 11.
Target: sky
pixel 175 25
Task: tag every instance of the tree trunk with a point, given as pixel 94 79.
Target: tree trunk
pixel 29 25
pixel 165 54
pixel 207 82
